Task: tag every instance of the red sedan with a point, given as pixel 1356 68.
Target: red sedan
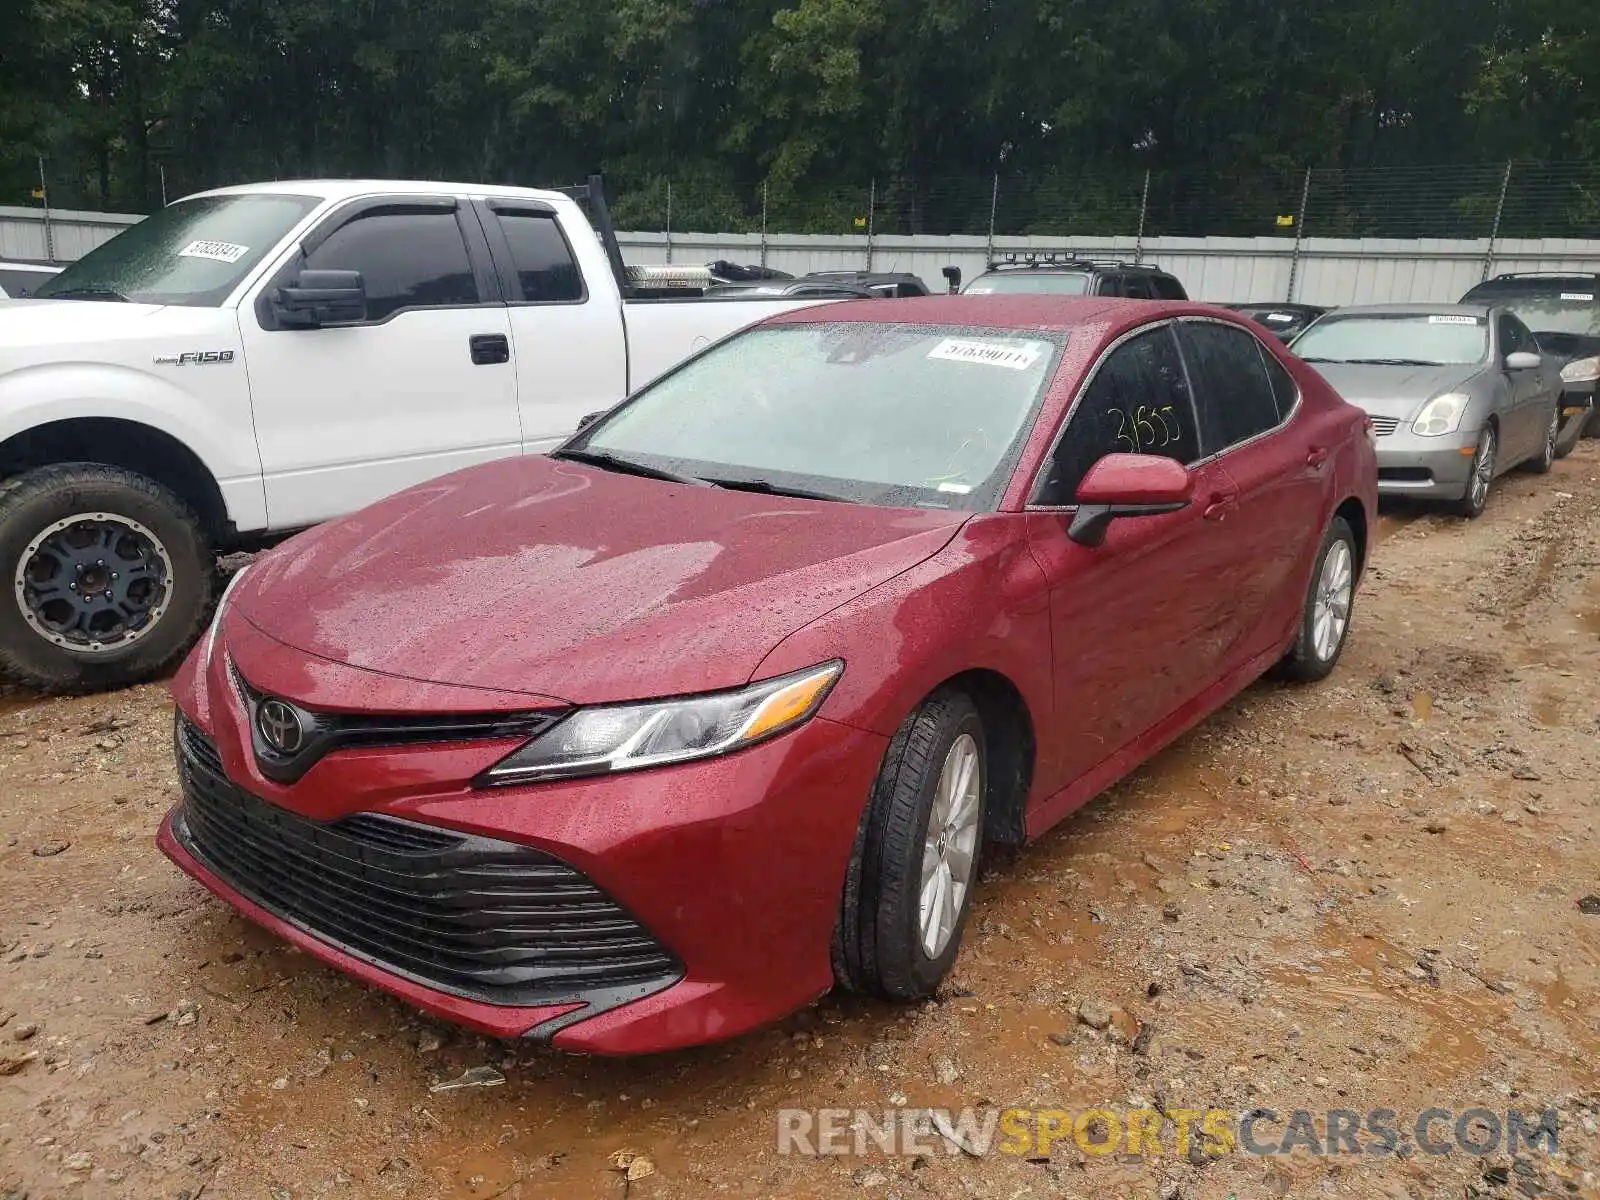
pixel 656 739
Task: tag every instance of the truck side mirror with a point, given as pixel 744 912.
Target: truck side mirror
pixel 952 276
pixel 319 298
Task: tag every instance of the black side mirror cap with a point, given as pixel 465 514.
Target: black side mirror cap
pixel 952 276
pixel 319 298
pixel 589 419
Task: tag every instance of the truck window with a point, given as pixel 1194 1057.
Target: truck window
pixel 546 270
pixel 407 259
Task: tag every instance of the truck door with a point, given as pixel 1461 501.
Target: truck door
pixel 567 340
pixel 422 385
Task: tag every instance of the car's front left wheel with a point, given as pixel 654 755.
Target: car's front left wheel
pixel 909 885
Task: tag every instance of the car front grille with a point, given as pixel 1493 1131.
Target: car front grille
pixel 472 916
pixel 1384 426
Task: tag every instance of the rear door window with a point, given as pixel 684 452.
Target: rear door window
pixel 1137 403
pixel 1137 287
pixel 545 268
pixel 1168 288
pixel 1233 392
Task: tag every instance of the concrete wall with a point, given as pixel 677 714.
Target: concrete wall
pixel 1329 270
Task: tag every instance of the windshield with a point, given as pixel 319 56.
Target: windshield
pixel 886 414
pixel 1044 283
pixel 193 252
pixel 1571 310
pixel 1413 339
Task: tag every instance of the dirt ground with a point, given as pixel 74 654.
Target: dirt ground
pixel 1364 895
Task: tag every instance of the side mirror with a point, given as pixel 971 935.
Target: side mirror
pixel 1522 360
pixel 319 298
pixel 589 419
pixel 1128 485
pixel 952 276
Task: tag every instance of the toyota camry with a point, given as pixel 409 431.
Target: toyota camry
pixel 656 739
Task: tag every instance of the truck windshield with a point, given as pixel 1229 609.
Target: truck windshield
pixel 895 415
pixel 192 253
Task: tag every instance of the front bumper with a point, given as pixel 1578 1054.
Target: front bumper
pixel 1427 468
pixel 712 888
pixel 1577 407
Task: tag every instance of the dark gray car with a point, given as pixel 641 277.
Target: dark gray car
pixel 1458 394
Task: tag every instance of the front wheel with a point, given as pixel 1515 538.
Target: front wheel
pixel 1472 503
pixel 1325 620
pixel 107 577
pixel 909 885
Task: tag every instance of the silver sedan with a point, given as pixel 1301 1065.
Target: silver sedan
pixel 1458 394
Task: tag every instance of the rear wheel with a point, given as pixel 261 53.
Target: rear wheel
pixel 1471 504
pixel 107 577
pixel 909 885
pixel 1325 620
pixel 1541 463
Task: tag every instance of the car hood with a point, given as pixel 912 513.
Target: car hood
pixel 36 323
pixel 1398 392
pixel 1568 346
pixel 558 580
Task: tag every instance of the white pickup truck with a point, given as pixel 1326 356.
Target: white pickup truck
pixel 257 359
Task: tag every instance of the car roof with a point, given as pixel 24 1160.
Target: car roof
pixel 1511 285
pixel 346 189
pixel 1414 310
pixel 1023 312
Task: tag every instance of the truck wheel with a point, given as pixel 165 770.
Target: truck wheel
pixel 105 578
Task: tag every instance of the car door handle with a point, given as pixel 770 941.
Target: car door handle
pixel 1317 457
pixel 1219 507
pixel 489 349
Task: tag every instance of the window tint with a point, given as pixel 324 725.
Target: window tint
pixel 1284 389
pixel 1138 402
pixel 1514 336
pixel 1232 391
pixel 406 258
pixel 1137 287
pixel 1168 288
pixel 542 258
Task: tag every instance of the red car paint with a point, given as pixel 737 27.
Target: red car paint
pixel 534 583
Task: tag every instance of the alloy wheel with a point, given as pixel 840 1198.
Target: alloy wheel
pixel 951 844
pixel 1330 615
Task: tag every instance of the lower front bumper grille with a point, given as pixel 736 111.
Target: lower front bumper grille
pixel 472 916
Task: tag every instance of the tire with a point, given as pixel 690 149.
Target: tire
pixel 1545 460
pixel 879 948
pixel 153 611
pixel 1311 659
pixel 1472 503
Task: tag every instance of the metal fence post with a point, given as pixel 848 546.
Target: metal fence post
pixel 994 210
pixel 1499 214
pixel 162 167
pixel 49 230
pixel 669 222
pixel 1299 236
pixel 763 223
pixel 1144 207
pixel 872 219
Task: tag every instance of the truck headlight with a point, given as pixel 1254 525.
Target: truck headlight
pixel 1442 415
pixel 631 737
pixel 1583 370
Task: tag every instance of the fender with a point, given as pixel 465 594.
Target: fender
pixel 217 426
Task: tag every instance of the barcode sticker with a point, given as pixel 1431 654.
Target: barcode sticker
pixel 1443 319
pixel 1579 297
pixel 1015 356
pixel 224 252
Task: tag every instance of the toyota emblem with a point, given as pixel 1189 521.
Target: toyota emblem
pixel 281 726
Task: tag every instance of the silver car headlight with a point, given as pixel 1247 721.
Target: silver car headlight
pixel 631 737
pixel 1442 415
pixel 1584 370
pixel 222 609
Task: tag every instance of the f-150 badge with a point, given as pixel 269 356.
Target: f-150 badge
pixel 195 358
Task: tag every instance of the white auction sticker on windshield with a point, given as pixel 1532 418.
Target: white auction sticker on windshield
pixel 226 252
pixel 1017 356
pixel 1452 320
pixel 1579 297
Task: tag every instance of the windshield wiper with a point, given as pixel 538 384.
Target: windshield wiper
pixel 627 466
pixel 765 487
pixel 86 293
pixel 1394 362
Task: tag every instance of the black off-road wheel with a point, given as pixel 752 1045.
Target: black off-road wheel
pixel 909 886
pixel 106 578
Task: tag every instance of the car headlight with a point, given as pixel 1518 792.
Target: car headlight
pixel 631 737
pixel 1442 415
pixel 1584 370
pixel 222 608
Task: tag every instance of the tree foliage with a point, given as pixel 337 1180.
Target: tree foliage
pixel 797 102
